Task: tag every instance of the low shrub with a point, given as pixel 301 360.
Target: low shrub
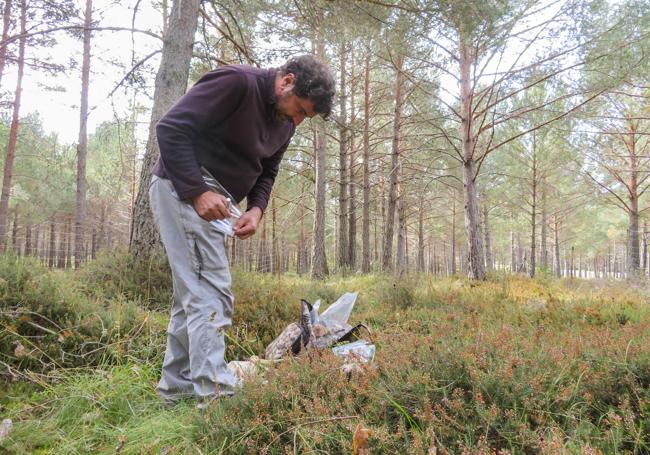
pixel 48 323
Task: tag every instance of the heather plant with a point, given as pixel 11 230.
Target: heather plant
pixel 512 365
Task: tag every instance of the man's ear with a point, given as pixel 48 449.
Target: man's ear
pixel 288 80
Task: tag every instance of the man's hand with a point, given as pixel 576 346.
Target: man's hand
pixel 247 224
pixel 211 206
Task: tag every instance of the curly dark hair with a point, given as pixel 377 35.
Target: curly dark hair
pixel 313 80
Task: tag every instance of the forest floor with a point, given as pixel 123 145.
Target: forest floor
pixel 510 365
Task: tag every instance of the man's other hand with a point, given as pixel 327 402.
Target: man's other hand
pixel 247 224
pixel 211 206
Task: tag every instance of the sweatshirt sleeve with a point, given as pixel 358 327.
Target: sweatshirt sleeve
pixel 259 195
pixel 210 101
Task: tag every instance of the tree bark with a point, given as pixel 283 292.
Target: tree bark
pixel 452 259
pixel 543 247
pixel 352 181
pixel 82 146
pixel 6 23
pixel 52 249
pixel 319 267
pixel 633 264
pixel 171 83
pixel 342 251
pixel 489 260
pixel 402 254
pixel 533 214
pixel 13 132
pixel 513 253
pixel 476 270
pixel 645 248
pixel 28 240
pixel 275 260
pixel 420 267
pixel 365 264
pixel 387 261
pixel 14 233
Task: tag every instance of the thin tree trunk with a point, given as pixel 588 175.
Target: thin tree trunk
pixel 6 22
pixel 387 261
pixel 472 218
pixel 452 259
pixel 365 264
pixel 645 247
pixel 489 260
pixel 62 247
pixel 352 205
pixel 543 247
pixel 171 83
pixel 556 248
pixel 420 267
pixel 533 215
pixel 402 254
pixel 52 250
pixel 14 232
pixel 275 260
pixel 82 147
pixel 13 132
pixel 513 253
pixel 319 267
pixel 68 242
pixel 29 250
pixel 342 250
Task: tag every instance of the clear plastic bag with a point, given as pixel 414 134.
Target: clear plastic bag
pixel 340 310
pixel 225 226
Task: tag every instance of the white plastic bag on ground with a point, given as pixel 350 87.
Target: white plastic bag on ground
pixel 340 310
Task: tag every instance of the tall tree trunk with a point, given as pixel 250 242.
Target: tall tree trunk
pixel 533 214
pixel 62 247
pixel 275 260
pixel 352 205
pixel 420 266
pixel 543 247
pixel 365 264
pixel 489 260
pixel 402 254
pixel 452 259
pixel 6 23
pixel 633 264
pixel 52 250
pixel 14 233
pixel 513 253
pixel 82 146
pixel 342 251
pixel 28 240
pixel 387 261
pixel 171 83
pixel 13 132
pixel 645 248
pixel 68 242
pixel 319 268
pixel 476 269
pixel 556 248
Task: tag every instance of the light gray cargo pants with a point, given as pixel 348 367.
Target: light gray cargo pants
pixel 194 360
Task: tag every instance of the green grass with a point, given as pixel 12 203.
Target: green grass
pixel 511 364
